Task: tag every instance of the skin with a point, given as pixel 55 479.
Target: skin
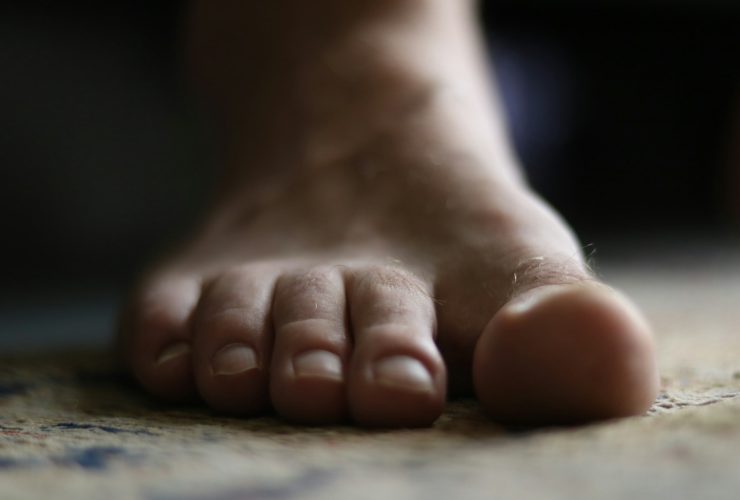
pixel 374 247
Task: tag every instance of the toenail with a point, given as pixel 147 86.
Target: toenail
pixel 534 297
pixel 173 351
pixel 321 364
pixel 233 359
pixel 403 372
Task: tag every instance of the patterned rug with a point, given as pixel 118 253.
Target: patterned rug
pixel 71 426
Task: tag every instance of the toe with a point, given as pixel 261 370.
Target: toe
pixel 155 339
pixel 311 346
pixel 397 377
pixel 232 340
pixel 565 354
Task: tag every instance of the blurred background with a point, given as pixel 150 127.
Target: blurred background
pixel 625 116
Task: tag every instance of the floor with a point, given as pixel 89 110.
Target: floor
pixel 72 427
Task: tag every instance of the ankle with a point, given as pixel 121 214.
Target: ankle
pixel 277 73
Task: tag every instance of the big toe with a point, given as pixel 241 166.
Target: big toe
pixel 565 354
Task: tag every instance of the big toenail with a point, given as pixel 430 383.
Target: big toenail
pixel 531 299
pixel 319 364
pixel 233 359
pixel 173 351
pixel 403 372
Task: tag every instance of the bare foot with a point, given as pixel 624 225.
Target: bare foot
pixel 376 244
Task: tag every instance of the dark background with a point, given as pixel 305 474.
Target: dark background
pixel 644 122
pixel 622 114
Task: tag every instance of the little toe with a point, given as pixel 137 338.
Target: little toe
pixel 565 354
pixel 155 336
pixel 397 376
pixel 311 346
pixel 232 340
